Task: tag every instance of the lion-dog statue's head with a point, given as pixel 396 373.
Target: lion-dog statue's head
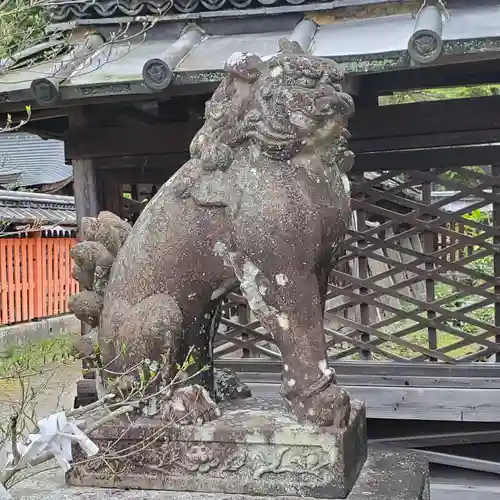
pixel 286 104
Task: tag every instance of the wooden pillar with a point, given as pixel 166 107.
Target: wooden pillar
pixel 364 95
pixel 359 218
pixel 112 201
pixel 85 184
pixel 86 193
pixel 85 189
pixel 430 286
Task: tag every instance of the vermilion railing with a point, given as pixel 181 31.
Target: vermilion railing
pixel 35 277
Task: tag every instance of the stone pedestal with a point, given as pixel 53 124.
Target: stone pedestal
pixel 255 448
pixel 387 475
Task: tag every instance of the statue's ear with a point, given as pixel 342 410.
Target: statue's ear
pixel 290 47
pixel 244 65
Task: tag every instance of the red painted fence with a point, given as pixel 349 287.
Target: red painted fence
pixel 35 277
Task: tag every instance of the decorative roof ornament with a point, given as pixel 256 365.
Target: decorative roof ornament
pixel 159 71
pixel 46 90
pixel 426 43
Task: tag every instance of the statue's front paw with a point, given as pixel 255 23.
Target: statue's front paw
pixel 190 405
pixel 328 407
pixel 331 407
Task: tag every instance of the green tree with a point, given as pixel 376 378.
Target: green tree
pixel 22 25
pixel 25 41
pixel 439 94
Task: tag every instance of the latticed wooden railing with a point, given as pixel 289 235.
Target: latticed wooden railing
pixel 419 280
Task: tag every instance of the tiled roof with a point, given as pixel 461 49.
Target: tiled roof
pixel 28 160
pixel 64 10
pixel 27 208
pixel 10 178
pixel 177 52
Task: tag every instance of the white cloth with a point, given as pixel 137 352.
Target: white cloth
pixel 4 494
pixel 56 435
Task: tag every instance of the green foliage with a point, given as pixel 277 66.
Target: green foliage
pixel 22 24
pixel 462 176
pixel 439 94
pixel 479 216
pixel 31 357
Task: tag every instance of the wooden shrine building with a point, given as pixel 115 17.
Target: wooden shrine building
pixel 413 321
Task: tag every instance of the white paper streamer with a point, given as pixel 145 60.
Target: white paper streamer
pixel 57 432
pixel 21 448
pixel 4 494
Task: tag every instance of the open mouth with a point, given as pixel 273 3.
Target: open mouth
pixel 303 120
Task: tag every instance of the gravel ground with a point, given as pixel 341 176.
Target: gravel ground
pixel 59 390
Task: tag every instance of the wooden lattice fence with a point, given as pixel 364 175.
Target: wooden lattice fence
pixel 35 277
pixel 418 281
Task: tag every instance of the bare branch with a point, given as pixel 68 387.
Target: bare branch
pixel 14 438
pixel 25 44
pixel 89 418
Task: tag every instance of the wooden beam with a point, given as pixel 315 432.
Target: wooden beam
pixel 415 403
pixel 423 159
pixel 384 370
pixel 86 205
pixel 451 115
pixel 136 175
pixel 85 187
pixel 471 119
pixel 452 404
pixel 168 161
pixel 423 141
pixel 112 201
pixel 131 141
pixel 462 487
pixel 451 75
pixel 84 175
pixel 404 159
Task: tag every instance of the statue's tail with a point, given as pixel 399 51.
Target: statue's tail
pixel 101 238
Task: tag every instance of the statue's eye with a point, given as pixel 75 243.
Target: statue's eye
pixel 305 81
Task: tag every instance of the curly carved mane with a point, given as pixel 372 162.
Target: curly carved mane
pixel 282 106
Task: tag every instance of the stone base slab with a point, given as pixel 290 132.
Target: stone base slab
pixel 387 475
pixel 255 448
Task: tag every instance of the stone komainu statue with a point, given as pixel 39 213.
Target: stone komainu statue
pixel 262 204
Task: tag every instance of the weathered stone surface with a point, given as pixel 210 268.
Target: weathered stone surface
pixel 264 202
pixel 228 386
pixel 256 447
pixel 387 475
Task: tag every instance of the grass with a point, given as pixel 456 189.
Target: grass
pixel 33 357
pixel 33 378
